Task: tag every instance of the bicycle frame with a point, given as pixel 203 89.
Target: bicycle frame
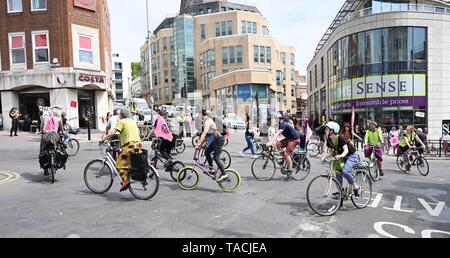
pixel 331 174
pixel 203 167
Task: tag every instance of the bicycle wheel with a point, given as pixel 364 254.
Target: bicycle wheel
pixel 225 157
pixel 363 181
pixel 374 172
pixel 259 148
pixel 175 167
pixel 313 149
pixel 447 152
pixel 226 143
pixel 232 183
pixel 399 165
pixel 98 176
pixel 188 178
pixel 181 148
pixel 195 140
pixel 433 152
pixel 395 151
pixel 302 168
pixel 422 166
pixel 264 168
pixel 324 195
pixel 73 146
pixel 145 190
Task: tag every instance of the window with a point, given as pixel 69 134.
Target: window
pixel 283 57
pixel 265 31
pixel 225 55
pixel 119 96
pixel 166 76
pixel 262 53
pixel 284 75
pixel 232 55
pixel 172 61
pixel 224 28
pixel 200 11
pixel 40 47
pixel 239 54
pixel 315 75
pixel 172 44
pixel 230 27
pixel 223 9
pixel 202 31
pixel 119 86
pixel 249 27
pixel 17 48
pixel 292 75
pixel 322 71
pixel 256 54
pixel 211 58
pixel 292 59
pixel 279 78
pixel 38 5
pixel 15 6
pixel 118 76
pixel 209 10
pixel 217 29
pixel 244 27
pixel 165 45
pixel 118 66
pixel 166 61
pixel 255 28
pixel 268 55
pixel 173 76
pixel 153 48
pixel 86 53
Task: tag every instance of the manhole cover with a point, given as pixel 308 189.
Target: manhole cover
pixel 7 177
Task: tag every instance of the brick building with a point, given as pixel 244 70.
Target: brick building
pixel 56 53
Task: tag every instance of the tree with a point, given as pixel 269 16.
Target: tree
pixel 136 69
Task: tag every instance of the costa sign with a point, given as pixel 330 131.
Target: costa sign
pixel 86 4
pixel 91 78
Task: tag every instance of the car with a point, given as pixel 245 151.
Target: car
pixel 148 115
pixel 171 110
pixel 235 122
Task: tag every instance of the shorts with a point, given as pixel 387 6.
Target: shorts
pixel 290 145
pixel 377 150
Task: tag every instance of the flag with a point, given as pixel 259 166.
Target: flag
pixel 309 133
pixel 162 130
pixel 353 117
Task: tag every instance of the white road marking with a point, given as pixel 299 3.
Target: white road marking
pixel 433 212
pixel 397 205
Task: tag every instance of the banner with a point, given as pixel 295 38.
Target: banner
pixel 162 130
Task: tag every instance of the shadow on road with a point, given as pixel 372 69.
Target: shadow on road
pixel 110 196
pixel 38 177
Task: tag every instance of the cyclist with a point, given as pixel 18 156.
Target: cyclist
pixel 165 135
pixel 339 148
pixel 130 142
pixel 290 142
pixel 215 142
pixel 423 138
pixel 373 142
pixel 320 131
pixel 406 143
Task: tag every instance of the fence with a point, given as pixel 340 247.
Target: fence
pixel 437 148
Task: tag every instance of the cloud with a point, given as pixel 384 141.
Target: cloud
pixel 300 23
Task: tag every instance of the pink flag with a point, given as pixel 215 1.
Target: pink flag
pixel 309 133
pixel 162 130
pixel 353 117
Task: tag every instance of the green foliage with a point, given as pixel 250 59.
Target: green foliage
pixel 136 69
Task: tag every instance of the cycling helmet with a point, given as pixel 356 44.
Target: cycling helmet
pixel 334 126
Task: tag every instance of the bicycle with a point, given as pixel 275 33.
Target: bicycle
pixel 325 195
pixel 314 149
pixel 72 145
pixel 196 140
pixel 53 159
pixel 188 178
pixel 372 166
pixel 259 146
pixel 225 157
pixel 265 166
pixel 417 160
pixel 180 146
pixel 170 166
pixel 144 132
pixel 104 170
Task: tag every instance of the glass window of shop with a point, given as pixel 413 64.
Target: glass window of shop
pixel 86 108
pixel 382 73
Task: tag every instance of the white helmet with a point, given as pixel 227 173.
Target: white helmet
pixel 334 126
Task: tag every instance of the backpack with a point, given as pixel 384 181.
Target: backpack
pixel 51 125
pixel 222 129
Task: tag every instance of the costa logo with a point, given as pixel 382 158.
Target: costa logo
pixel 91 78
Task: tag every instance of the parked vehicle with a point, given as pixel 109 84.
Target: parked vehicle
pixel 171 110
pixel 147 113
pixel 235 122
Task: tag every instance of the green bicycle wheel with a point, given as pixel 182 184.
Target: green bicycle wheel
pixel 188 178
pixel 232 183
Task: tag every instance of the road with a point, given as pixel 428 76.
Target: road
pixel 404 205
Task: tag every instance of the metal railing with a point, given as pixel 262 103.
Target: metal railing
pixel 387 8
pixel 437 148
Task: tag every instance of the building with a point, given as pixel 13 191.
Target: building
pixel 301 94
pixel 389 60
pixel 121 79
pixel 56 53
pixel 220 55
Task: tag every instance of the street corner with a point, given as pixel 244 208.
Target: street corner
pixel 8 177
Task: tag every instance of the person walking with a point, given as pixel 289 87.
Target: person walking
pixel 14 115
pixel 187 125
pixel 249 136
pixel 386 141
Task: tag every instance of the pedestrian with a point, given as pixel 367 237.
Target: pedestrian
pixel 135 117
pixel 249 136
pixel 180 120
pixel 346 133
pixel 264 130
pixel 445 140
pixel 14 115
pixel 187 125
pixel 386 141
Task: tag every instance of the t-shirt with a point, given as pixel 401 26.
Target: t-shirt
pixel 264 128
pixel 129 132
pixel 321 130
pixel 423 138
pixel 340 146
pixel 289 131
pixel 373 137
pixel 112 122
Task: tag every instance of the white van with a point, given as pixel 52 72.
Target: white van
pixel 171 110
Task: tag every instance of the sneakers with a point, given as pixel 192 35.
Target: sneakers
pixel 336 195
pixel 125 185
pixel 241 153
pixel 290 173
pixel 223 177
pixel 212 172
pixel 381 173
pixel 255 156
pixel 408 168
pixel 357 191
pixel 46 173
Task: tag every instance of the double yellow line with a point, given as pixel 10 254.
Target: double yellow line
pixel 9 177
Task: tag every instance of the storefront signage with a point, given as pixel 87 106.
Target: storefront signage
pixel 380 91
pixel 244 92
pixel 86 4
pixel 420 114
pixel 91 78
pixel 446 126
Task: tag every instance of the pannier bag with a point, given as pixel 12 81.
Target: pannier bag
pixel 139 166
pixel 44 160
pixel 61 159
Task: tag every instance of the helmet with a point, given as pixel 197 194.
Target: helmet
pixel 334 126
pixel 373 122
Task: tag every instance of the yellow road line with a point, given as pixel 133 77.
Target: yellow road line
pixel 10 176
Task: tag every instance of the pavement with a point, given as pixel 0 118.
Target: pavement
pixel 403 205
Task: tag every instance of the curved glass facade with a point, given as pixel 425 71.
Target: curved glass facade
pixel 382 73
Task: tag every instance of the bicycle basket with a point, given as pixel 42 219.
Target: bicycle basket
pixel 139 165
pixel 338 165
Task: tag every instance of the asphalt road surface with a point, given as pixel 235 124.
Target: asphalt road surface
pixel 403 205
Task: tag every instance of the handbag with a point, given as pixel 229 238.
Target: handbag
pixel 338 165
pixel 139 165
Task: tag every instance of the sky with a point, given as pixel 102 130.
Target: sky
pixel 300 23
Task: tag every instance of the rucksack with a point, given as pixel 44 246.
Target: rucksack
pixel 220 126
